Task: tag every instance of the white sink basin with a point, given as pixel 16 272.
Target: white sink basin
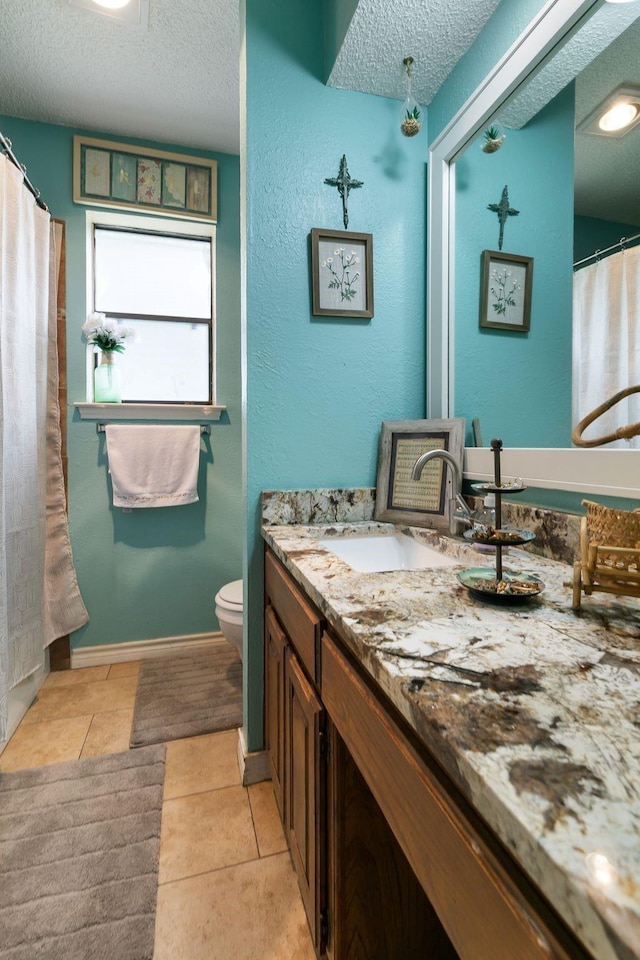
pixel 379 553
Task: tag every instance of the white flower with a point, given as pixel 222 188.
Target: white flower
pixel 330 259
pixel 93 321
pixel 105 333
pixel 357 259
pixel 109 326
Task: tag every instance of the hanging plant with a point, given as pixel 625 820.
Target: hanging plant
pixel 492 139
pixel 411 116
pixel 411 123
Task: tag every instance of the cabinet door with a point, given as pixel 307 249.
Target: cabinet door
pixel 304 804
pixel 275 642
pixel 376 906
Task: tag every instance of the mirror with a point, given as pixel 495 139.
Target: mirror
pixel 521 68
pixel 568 196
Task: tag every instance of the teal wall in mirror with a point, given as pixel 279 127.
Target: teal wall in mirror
pixel 518 384
pixel 576 194
pixel 593 233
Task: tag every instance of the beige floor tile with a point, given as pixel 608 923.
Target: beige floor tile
pixel 63 678
pixel 39 744
pixel 266 819
pixel 108 733
pixel 205 831
pixel 248 912
pixel 201 763
pixel 80 699
pixel 130 669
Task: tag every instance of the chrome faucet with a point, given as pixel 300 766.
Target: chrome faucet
pixel 459 512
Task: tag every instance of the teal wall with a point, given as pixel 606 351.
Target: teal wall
pixel 592 233
pixel 317 389
pixel 150 573
pixel 518 384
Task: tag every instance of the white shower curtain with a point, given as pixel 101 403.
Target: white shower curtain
pixel 24 348
pixel 606 341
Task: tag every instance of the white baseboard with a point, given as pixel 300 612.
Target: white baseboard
pixel 142 649
pixel 254 767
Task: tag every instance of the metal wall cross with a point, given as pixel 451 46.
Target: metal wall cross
pixel 503 210
pixel 344 183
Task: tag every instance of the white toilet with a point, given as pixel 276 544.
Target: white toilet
pixel 229 612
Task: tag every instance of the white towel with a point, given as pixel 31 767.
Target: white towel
pixel 153 466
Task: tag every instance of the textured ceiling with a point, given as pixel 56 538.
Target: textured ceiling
pixel 574 56
pixel 607 183
pixel 177 81
pixel 436 33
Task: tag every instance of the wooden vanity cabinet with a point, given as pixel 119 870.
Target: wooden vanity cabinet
pixel 393 863
pixel 362 900
pixel 294 734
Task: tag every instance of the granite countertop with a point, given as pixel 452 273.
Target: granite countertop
pixel 532 710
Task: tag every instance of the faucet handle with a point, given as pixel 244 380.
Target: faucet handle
pixel 459 515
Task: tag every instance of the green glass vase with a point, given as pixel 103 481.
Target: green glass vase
pixel 107 387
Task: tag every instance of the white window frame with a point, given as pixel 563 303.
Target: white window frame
pixel 147 411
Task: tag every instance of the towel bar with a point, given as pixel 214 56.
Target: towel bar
pixel 204 428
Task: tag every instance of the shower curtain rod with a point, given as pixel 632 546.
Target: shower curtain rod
pixel 622 242
pixel 5 144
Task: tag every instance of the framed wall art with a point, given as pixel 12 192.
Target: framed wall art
pixel 108 174
pixel 341 273
pixel 505 291
pixel 421 502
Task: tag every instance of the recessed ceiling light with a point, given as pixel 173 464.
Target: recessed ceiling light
pixel 134 13
pixel 619 114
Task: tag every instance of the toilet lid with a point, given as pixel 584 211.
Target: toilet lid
pixel 231 593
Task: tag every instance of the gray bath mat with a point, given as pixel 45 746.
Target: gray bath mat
pixel 79 847
pixel 188 695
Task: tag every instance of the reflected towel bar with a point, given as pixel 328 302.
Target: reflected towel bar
pixel 204 428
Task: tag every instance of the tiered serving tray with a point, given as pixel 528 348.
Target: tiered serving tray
pixel 499 585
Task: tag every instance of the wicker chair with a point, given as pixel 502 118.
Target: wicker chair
pixel 610 553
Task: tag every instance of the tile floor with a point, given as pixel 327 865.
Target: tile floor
pixel 226 888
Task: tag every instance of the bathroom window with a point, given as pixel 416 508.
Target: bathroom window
pixel 157 277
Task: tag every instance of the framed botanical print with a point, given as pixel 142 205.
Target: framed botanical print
pixel 505 291
pixel 341 273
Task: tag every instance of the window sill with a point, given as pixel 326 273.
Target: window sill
pixel 148 411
